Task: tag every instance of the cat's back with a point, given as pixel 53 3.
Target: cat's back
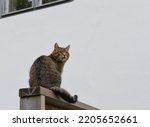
pixel 42 68
pixel 44 64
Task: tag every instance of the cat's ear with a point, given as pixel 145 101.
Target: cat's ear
pixel 68 47
pixel 56 46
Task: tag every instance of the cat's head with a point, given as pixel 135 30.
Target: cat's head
pixel 60 54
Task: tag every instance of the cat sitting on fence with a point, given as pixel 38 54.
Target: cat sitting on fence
pixel 46 71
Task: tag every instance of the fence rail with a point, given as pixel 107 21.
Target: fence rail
pixel 40 98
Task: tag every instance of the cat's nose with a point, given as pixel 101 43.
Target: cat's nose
pixel 64 56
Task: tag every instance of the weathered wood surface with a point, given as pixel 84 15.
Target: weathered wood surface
pixel 32 103
pixel 42 98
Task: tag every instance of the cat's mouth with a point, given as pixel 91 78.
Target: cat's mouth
pixel 62 59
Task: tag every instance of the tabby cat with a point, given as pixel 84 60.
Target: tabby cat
pixel 46 72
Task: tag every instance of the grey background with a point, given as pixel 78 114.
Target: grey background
pixel 109 66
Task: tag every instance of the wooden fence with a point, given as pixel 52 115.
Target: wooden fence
pixel 39 98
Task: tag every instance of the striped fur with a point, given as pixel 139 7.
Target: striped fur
pixel 46 71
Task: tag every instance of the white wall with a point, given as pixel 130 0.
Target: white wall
pixel 109 66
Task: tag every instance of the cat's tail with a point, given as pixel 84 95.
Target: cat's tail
pixel 64 94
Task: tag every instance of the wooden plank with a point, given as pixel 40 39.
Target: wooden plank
pixel 32 103
pixel 53 101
